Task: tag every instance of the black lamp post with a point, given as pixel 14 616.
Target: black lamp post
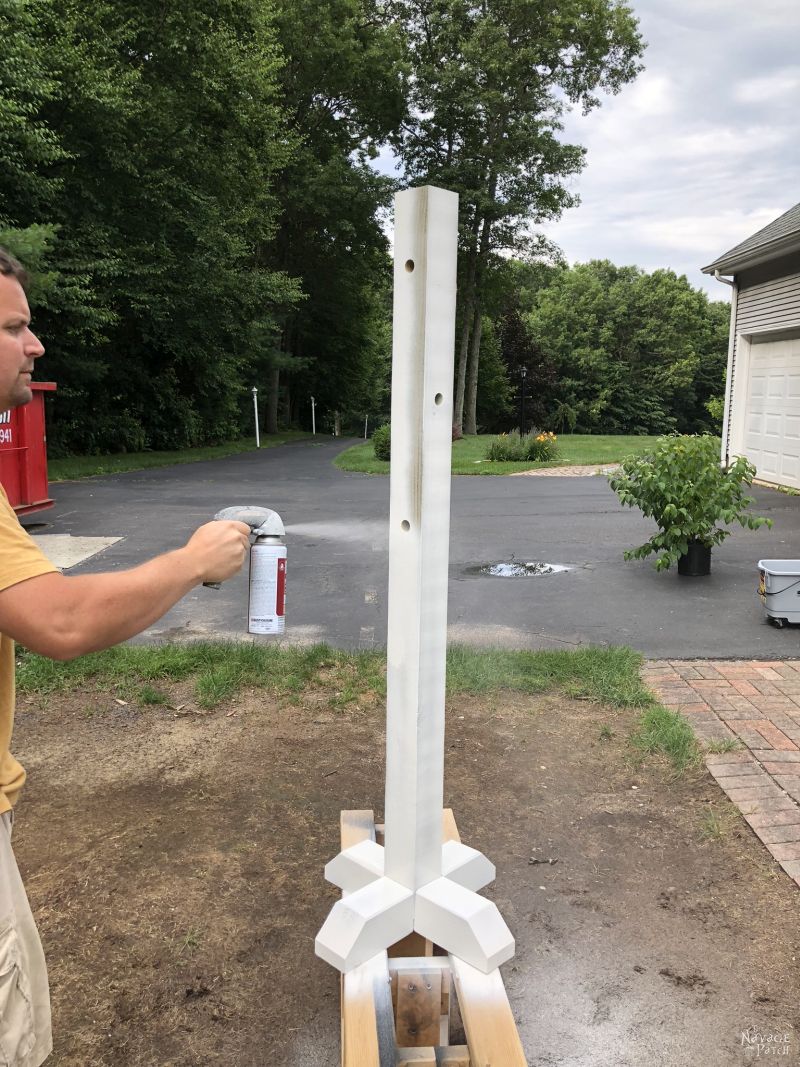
pixel 523 374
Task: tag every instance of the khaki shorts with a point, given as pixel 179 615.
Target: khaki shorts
pixel 25 1032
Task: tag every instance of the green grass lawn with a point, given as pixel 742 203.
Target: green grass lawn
pixel 74 467
pixel 469 454
pixel 220 670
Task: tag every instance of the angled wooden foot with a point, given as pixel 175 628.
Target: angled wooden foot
pixel 465 865
pixel 364 923
pixel 463 922
pixel 356 866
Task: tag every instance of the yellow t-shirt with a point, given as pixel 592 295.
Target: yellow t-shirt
pixel 20 558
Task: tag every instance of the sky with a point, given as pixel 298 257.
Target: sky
pixel 698 153
pixel 702 150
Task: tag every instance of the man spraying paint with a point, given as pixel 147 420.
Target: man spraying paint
pixel 63 617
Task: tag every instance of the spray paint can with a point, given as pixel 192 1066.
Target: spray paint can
pixel 266 610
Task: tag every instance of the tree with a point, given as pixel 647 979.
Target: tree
pixel 509 295
pixel 495 388
pixel 520 352
pixel 634 352
pixel 184 188
pixel 166 133
pixel 343 90
pixel 31 187
pixel 28 145
pixel 191 183
pixel 491 80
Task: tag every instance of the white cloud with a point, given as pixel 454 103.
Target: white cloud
pixel 652 97
pixel 692 158
pixel 696 234
pixel 781 86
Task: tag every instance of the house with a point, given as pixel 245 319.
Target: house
pixel 762 392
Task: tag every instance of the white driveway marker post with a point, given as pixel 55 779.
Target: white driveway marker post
pixel 408 885
pixel 255 409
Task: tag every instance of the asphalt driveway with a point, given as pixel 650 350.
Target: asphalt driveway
pixel 337 542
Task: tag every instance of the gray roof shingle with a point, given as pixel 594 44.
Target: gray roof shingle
pixel 786 226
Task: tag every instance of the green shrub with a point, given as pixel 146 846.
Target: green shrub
pixel 536 446
pixel 382 442
pixel 715 406
pixel 682 485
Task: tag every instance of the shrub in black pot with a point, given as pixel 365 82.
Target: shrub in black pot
pixel 692 497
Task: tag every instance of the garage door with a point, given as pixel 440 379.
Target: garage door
pixel 772 424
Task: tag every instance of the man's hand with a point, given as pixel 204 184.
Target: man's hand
pixel 63 617
pixel 218 549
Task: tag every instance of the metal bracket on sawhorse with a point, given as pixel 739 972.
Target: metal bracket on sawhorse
pixel 397 1007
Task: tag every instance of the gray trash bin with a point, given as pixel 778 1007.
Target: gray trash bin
pixel 779 589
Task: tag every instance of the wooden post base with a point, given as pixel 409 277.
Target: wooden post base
pixel 396 1007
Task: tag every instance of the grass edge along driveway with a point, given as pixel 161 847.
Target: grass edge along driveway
pixel 219 670
pixel 72 468
pixel 469 454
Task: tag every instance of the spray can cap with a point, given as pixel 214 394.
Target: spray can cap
pixel 262 521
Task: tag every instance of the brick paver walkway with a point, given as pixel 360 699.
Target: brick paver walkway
pixel 757 703
pixel 577 471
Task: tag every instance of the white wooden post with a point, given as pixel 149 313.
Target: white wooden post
pixel 426 228
pixel 413 883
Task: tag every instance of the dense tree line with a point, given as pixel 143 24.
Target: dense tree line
pixel 190 182
pixel 610 349
pixel 193 185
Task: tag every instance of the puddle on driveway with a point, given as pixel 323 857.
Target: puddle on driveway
pixel 514 569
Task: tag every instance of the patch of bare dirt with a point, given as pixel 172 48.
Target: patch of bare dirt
pixel 174 861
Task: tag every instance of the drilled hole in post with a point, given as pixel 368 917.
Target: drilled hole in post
pixel 438 398
pixel 405 525
pixel 409 265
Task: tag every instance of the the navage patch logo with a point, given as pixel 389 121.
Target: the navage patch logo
pixel 763 1045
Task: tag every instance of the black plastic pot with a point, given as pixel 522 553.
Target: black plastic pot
pixel 697 561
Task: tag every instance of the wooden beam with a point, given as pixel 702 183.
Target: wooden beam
pixel 420 963
pixel 454 1056
pixel 416 1057
pixel 419 1006
pixel 412 945
pixel 367 1018
pixel 439 967
pixel 492 1035
pixel 357 825
pixel 449 828
pixel 414 884
pixel 367 1021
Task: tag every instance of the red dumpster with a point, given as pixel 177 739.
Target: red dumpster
pixel 23 453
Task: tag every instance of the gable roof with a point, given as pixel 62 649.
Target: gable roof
pixel 776 239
